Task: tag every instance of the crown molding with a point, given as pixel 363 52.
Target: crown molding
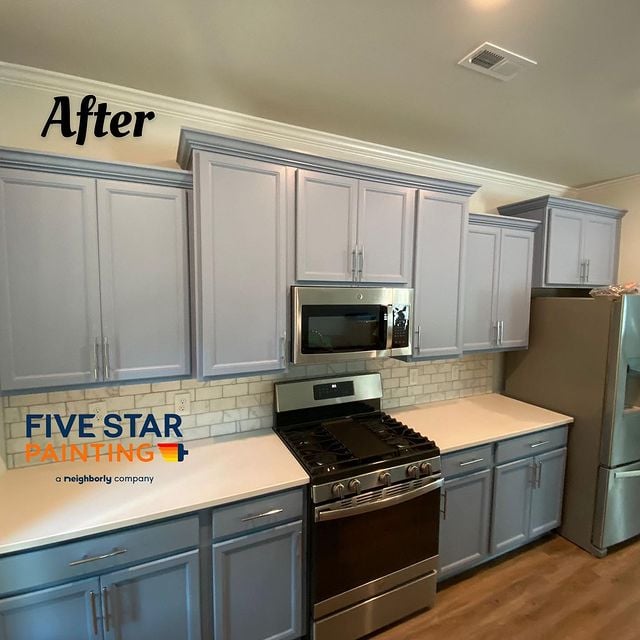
pixel 545 202
pixel 492 220
pixel 273 133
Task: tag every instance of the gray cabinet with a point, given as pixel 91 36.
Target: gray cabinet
pixel 352 230
pixel 68 612
pixel 240 264
pixel 158 600
pixel 577 243
pixel 464 522
pixel 527 499
pixel 257 585
pixel 440 240
pixel 498 283
pixel 93 280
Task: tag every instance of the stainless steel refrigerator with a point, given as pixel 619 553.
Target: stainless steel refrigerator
pixel 584 360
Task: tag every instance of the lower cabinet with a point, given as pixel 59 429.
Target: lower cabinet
pixel 257 585
pixel 464 522
pixel 158 600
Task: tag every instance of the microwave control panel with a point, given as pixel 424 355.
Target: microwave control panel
pixel 400 326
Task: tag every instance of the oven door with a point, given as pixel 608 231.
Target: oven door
pixel 370 544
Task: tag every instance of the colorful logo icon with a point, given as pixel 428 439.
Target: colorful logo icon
pixel 173 452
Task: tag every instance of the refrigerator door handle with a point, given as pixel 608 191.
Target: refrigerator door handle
pixel 626 474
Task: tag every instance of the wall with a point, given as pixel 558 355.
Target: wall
pixel 3 455
pixel 625 194
pixel 233 405
pixel 227 406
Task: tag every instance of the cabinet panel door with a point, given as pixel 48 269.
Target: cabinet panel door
pixel 326 219
pixel 600 249
pixel 159 600
pixel 144 279
pixel 441 237
pixel 60 613
pixel 514 287
pixel 464 522
pixel 511 505
pixel 262 571
pixel 385 231
pixel 480 288
pixel 564 248
pixel 241 245
pixel 546 501
pixel 49 282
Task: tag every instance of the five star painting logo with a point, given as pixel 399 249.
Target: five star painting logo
pixel 173 452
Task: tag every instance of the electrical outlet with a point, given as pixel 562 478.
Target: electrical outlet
pixel 413 376
pixel 182 404
pixel 99 410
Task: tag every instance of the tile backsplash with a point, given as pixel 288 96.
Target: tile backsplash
pixel 232 405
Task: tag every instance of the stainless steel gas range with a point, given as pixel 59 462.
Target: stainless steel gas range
pixel 374 507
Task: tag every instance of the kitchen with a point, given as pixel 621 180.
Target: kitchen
pixel 374 422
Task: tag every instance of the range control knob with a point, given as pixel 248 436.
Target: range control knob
pixel 385 478
pixel 413 471
pixel 338 490
pixel 354 485
pixel 425 468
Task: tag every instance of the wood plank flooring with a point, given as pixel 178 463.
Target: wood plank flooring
pixel 550 591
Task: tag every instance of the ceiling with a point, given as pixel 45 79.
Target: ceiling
pixel 378 70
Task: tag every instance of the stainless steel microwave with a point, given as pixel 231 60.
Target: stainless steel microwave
pixel 347 323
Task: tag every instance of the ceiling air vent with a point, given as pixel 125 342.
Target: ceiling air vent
pixel 496 62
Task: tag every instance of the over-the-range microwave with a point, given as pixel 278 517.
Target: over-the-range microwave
pixel 347 323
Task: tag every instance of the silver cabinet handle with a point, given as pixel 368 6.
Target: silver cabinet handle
pixel 535 445
pixel 627 474
pixel 534 474
pixel 501 332
pixel 361 263
pixel 539 475
pixel 588 271
pixel 94 614
pixel 111 554
pixel 266 514
pixel 497 331
pixel 353 264
pixel 443 509
pixel 96 357
pixel 283 349
pixel 474 461
pixel 419 335
pixel 105 607
pixel 106 358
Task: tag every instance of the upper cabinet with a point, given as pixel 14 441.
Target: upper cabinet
pixel 440 239
pixel 350 230
pixel 498 283
pixel 240 256
pixel 576 244
pixel 93 276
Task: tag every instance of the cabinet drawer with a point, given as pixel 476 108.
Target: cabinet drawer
pixel 254 514
pixel 68 561
pixel 531 444
pixel 467 461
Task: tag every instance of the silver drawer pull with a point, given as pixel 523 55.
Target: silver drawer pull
pixel 116 552
pixel 474 461
pixel 266 514
pixel 539 444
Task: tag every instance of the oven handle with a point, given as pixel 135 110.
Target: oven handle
pixel 322 513
pixel 390 320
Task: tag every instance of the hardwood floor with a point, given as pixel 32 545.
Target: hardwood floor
pixel 550 591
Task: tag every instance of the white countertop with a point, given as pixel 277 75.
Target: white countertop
pixel 468 422
pixel 36 510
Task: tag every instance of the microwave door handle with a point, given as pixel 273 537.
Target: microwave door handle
pixel 322 513
pixel 390 320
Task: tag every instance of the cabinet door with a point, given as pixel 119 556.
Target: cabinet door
pixel 564 247
pixel 464 522
pixel 262 571
pixel 326 219
pixel 600 249
pixel 514 287
pixel 511 505
pixel 385 232
pixel 69 612
pixel 144 280
pixel 240 242
pixel 480 288
pixel 441 236
pixel 546 501
pixel 159 600
pixel 49 283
